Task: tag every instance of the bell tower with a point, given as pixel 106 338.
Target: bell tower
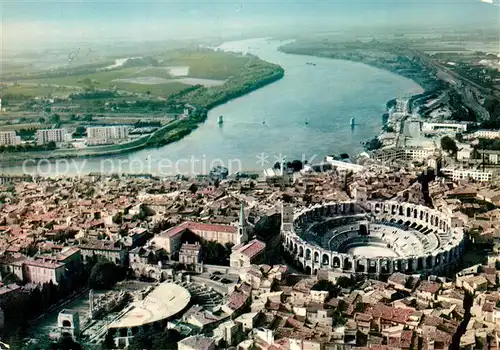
pixel 242 227
pixel 286 217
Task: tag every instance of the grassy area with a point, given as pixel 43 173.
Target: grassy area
pixel 102 79
pixel 205 64
pixel 154 89
pixel 11 127
pixel 256 74
pixel 105 80
pixel 208 64
pixel 22 91
pixel 9 67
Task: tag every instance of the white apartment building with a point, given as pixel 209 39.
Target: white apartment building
pixel 344 165
pixel 491 157
pixel 453 127
pixel 107 132
pixel 464 152
pixel 44 136
pixel 410 153
pixel 96 142
pixel 467 174
pixel 9 138
pixel 487 134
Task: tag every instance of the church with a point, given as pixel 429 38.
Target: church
pixel 172 239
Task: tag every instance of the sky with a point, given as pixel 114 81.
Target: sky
pixel 25 23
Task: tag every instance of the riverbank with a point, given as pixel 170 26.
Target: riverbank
pixel 388 57
pixel 168 132
pixel 392 58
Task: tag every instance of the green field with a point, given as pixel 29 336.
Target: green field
pixel 16 127
pixel 22 91
pixel 100 79
pixel 153 89
pixel 204 64
pixel 207 64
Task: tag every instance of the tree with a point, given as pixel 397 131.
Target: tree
pixel 67 343
pixel 373 144
pixel 103 275
pixel 345 282
pixel 140 341
pixel 449 145
pixel 337 318
pixel 267 227
pixel 79 132
pixel 193 188
pixel 327 286
pixel 213 252
pixel 55 118
pixel 287 198
pixel 155 339
pixel 51 145
pixel 118 218
pixel 296 165
pixel 166 340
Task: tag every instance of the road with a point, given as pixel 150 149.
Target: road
pixel 471 102
pixel 450 75
pixel 464 86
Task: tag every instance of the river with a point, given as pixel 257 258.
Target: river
pixel 304 116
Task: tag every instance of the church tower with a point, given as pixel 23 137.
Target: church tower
pixel 286 217
pixel 242 227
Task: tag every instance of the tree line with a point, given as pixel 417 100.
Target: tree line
pixel 49 146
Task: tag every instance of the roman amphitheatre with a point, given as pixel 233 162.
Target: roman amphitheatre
pixel 376 238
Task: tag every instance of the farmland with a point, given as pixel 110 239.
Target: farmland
pixel 201 64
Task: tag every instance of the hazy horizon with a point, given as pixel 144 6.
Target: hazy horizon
pixel 28 25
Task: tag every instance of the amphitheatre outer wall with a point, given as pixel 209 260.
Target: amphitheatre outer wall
pixel 439 245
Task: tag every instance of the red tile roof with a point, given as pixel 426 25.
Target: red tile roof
pixel 99 245
pixel 189 246
pixel 198 226
pixel 488 307
pixel 429 287
pixel 397 315
pixel 253 248
pixel 44 264
pixel 174 231
pixel 363 317
pixel 237 300
pixel 211 227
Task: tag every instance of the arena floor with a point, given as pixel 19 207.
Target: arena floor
pixel 372 252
